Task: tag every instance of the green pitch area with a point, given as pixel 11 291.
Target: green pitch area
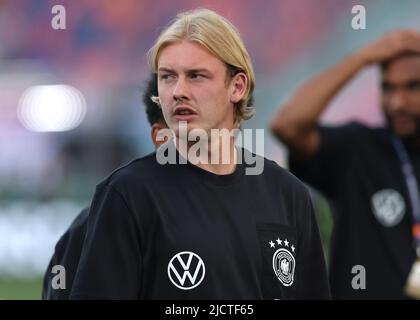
pixel 20 289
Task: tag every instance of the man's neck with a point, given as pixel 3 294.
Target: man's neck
pixel 216 156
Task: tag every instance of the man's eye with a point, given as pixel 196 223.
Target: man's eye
pixel 386 88
pixel 197 76
pixel 414 86
pixel 166 76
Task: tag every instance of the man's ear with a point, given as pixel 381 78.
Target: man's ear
pixel 154 132
pixel 238 84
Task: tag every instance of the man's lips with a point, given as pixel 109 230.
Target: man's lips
pixel 186 117
pixel 400 120
pixel 184 113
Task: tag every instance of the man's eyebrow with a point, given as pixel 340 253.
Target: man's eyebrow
pixel 194 70
pixel 163 69
pixel 407 83
pixel 198 70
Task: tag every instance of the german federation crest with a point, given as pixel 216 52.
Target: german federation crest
pixel 284 263
pixel 388 206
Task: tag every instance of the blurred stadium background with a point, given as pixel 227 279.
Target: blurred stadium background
pixel 50 160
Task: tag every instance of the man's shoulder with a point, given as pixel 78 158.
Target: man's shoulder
pixel 74 234
pixel 352 136
pixel 137 171
pixel 367 129
pixel 353 129
pixel 80 221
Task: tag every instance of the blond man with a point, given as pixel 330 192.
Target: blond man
pixel 197 229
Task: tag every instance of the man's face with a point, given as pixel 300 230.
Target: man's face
pixel 193 87
pixel 401 95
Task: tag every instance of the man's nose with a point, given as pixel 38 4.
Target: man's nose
pixel 181 90
pixel 398 101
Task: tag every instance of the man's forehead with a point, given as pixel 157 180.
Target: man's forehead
pixel 405 62
pixel 187 55
pixel 403 68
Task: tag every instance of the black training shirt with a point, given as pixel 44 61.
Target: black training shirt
pixel 179 232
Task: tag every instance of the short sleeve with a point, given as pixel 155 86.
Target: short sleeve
pixel 110 263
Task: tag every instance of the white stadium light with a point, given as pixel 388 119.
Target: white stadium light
pixel 51 108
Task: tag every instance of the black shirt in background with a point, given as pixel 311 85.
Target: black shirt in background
pixel 354 166
pixel 144 214
pixel 67 254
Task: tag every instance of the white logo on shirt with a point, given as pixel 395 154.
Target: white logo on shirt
pixel 284 263
pixel 388 206
pixel 179 270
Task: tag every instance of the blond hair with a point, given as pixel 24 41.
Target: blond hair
pixel 222 39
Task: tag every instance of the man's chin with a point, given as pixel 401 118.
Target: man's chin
pixel 406 132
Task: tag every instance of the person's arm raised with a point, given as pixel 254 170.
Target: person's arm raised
pixel 296 122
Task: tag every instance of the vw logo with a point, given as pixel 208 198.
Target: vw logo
pixel 185 265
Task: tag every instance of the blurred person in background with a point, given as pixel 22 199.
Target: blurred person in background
pixel 68 248
pixel 375 203
pixel 204 230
